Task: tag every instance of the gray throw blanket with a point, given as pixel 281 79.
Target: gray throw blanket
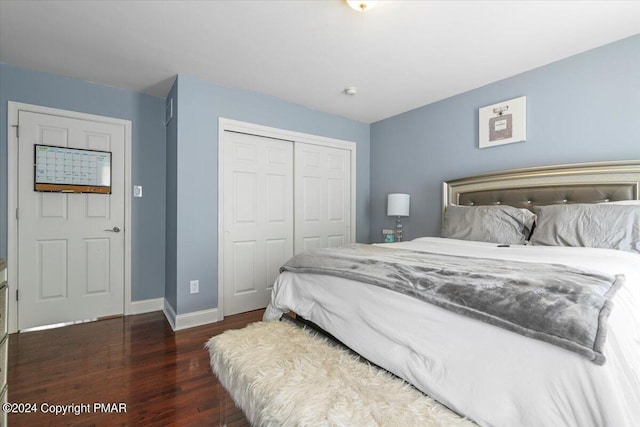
pixel 561 305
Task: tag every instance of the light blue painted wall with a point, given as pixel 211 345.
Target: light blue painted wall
pixel 582 109
pixel 148 158
pixel 171 242
pixel 199 106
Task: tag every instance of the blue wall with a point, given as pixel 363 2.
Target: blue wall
pixel 199 106
pixel 171 242
pixel 148 158
pixel 582 109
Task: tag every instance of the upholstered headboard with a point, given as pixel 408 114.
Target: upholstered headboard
pixel 547 185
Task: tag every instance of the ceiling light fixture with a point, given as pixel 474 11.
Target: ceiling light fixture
pixel 361 5
pixel 351 90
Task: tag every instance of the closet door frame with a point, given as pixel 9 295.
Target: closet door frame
pixel 224 125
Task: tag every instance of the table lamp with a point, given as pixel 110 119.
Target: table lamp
pixel 398 206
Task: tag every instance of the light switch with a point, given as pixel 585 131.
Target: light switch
pixel 137 191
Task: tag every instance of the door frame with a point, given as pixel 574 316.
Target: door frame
pixel 276 133
pixel 12 198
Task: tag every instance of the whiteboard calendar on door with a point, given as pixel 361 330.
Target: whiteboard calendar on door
pixel 72 170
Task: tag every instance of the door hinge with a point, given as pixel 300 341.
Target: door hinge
pixel 17 299
pixel 17 213
pixel 17 130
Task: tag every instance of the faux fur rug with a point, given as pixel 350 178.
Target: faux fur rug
pixel 282 375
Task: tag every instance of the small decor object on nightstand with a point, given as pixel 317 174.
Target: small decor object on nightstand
pixel 398 205
pixel 503 123
pixel 389 235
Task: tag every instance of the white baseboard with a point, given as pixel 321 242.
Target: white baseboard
pixel 197 318
pixel 170 314
pixel 146 306
pixel 189 320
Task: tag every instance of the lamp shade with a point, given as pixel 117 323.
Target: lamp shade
pixel 398 204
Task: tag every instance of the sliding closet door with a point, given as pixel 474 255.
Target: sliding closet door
pixel 257 217
pixel 322 196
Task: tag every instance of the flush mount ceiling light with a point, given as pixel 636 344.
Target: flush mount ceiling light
pixel 361 5
pixel 351 90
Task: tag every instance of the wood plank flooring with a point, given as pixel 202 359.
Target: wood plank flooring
pixel 162 376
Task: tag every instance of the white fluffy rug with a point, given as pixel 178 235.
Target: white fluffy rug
pixel 282 375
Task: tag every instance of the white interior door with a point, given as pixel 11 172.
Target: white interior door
pixel 322 197
pixel 70 260
pixel 257 217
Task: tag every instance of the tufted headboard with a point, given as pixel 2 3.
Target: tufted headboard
pixel 548 185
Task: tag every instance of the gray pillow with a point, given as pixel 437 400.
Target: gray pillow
pixel 494 224
pixel 600 225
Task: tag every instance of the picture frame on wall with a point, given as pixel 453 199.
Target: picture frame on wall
pixel 503 123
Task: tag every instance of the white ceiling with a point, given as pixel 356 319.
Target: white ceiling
pixel 400 55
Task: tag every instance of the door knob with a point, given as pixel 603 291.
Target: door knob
pixel 115 229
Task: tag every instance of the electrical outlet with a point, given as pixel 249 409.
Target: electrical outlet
pixel 194 286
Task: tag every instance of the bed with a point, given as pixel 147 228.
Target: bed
pixel 490 374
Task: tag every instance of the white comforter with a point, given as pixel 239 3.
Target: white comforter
pixel 493 376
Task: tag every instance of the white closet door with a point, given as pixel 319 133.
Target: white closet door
pixel 322 196
pixel 257 217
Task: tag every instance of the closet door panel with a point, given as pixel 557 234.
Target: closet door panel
pixel 278 198
pixel 322 196
pixel 257 217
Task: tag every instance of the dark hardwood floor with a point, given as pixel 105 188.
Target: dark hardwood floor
pixel 163 377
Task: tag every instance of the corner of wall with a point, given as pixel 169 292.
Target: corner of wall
pixel 170 314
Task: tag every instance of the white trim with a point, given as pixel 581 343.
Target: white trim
pixel 12 197
pixel 146 306
pixel 189 320
pixel 196 318
pixel 170 314
pixel 287 135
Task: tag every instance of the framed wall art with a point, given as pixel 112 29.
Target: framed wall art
pixel 503 123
